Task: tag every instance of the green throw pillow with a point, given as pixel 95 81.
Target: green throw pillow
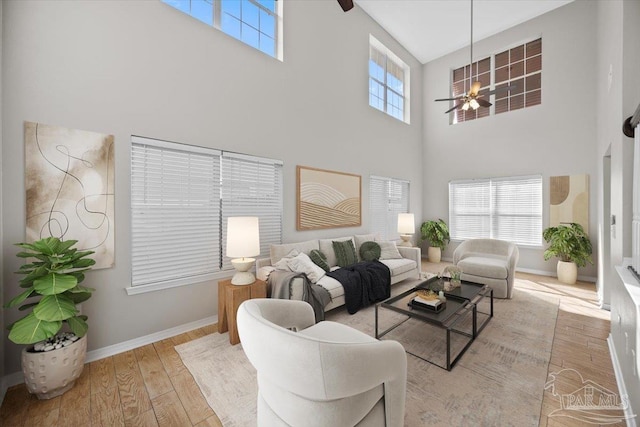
pixel 345 252
pixel 319 259
pixel 370 251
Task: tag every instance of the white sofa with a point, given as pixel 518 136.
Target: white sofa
pixel 406 267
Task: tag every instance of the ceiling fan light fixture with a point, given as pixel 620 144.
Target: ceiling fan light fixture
pixel 474 104
pixel 465 106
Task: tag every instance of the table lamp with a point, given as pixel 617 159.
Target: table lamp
pixel 243 241
pixel 406 228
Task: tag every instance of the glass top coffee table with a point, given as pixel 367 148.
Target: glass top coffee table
pixel 460 321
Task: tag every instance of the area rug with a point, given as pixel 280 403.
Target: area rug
pixel 498 381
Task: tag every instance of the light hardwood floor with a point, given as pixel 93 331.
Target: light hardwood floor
pixel 149 386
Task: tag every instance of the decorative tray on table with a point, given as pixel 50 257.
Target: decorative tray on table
pixel 427 300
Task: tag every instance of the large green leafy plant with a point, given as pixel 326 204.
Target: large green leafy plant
pixel 52 290
pixel 437 232
pixel 569 243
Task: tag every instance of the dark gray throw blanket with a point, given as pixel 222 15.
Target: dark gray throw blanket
pixel 364 283
pixel 280 283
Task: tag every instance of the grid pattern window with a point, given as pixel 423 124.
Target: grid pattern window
pixel 257 23
pixel 522 67
pixel 252 186
pixel 519 67
pixel 387 198
pixel 388 81
pixel 462 79
pixel 497 208
pixel 181 197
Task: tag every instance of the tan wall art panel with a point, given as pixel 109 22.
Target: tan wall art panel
pixel 327 199
pixel 70 188
pixel 569 200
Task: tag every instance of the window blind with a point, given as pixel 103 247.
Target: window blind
pixel 498 208
pixel 387 198
pixel 175 218
pixel 181 197
pixel 252 186
pixel 469 209
pixel 517 209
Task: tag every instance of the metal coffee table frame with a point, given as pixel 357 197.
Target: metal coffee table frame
pixel 460 302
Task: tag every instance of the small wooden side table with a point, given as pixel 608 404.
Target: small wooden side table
pixel 229 299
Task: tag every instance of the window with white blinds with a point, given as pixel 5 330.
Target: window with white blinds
pixel 181 196
pixel 387 198
pixel 252 186
pixel 498 208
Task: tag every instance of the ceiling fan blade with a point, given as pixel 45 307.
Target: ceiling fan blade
pixel 475 87
pixel 483 102
pixel 491 92
pixel 448 99
pixel 346 5
pixel 454 107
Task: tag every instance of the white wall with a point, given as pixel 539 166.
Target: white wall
pixel 618 95
pixel 143 68
pixel 554 138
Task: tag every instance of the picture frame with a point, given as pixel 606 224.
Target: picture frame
pixel 327 199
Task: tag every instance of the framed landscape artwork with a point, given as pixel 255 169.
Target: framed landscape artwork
pixel 69 179
pixel 327 199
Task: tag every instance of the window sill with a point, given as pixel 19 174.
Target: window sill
pixel 152 287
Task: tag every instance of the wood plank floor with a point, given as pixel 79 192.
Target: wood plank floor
pixel 149 386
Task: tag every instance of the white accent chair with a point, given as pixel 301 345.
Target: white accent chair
pixel 491 262
pixel 320 374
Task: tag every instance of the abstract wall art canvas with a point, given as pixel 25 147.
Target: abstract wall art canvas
pixel 69 180
pixel 569 200
pixel 327 199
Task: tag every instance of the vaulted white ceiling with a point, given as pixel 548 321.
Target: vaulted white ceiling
pixel 429 29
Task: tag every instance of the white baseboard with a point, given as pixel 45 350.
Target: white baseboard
pixel 100 353
pixel 622 388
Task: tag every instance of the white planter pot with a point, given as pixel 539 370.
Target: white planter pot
pixel 567 272
pixel 434 254
pixel 51 373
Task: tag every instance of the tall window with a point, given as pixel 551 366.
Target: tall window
pixel 257 23
pixel 462 80
pixel 519 67
pixel 181 196
pixel 387 198
pixel 388 81
pixel 497 208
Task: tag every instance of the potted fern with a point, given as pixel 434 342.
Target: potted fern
pixel 437 233
pixel 53 360
pixel 571 245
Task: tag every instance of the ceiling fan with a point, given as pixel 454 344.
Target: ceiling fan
pixel 472 99
pixel 346 4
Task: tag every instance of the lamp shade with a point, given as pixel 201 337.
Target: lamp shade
pixel 406 223
pixel 243 237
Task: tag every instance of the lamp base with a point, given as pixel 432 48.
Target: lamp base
pixel 406 240
pixel 243 276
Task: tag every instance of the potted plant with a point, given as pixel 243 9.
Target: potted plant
pixel 572 246
pixel 52 293
pixel 437 233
